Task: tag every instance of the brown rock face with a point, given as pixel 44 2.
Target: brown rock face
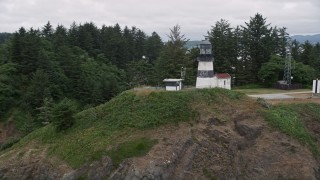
pixel 239 149
pixel 244 147
pixel 96 170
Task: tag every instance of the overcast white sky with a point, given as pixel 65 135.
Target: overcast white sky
pixel 194 16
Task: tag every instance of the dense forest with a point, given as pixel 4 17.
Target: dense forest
pixel 255 53
pixel 69 69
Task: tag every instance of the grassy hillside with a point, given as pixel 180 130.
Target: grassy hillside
pixel 114 128
pixel 300 121
pixel 118 128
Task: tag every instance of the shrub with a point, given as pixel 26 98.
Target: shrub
pixel 63 114
pixel 134 148
pixel 10 142
pixel 264 103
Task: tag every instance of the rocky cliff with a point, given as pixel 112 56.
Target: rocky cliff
pixel 222 142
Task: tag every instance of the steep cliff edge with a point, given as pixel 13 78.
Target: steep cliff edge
pixel 206 134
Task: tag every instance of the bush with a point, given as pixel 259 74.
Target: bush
pixel 63 114
pixel 264 103
pixel 136 148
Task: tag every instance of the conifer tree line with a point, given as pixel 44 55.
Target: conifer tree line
pixel 255 53
pixel 89 65
pixel 83 63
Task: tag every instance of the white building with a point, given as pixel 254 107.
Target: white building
pixel 223 80
pixel 206 77
pixel 173 84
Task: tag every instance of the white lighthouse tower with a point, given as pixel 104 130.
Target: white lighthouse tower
pixel 205 76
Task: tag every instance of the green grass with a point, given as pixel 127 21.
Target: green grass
pixel 289 119
pixel 249 86
pixel 99 131
pixel 135 148
pixel 269 91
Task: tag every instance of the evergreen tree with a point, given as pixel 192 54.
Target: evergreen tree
pixel 257 42
pixel 173 56
pixel 282 38
pixel 45 111
pixel 47 30
pixel 139 72
pixel 128 37
pixel 224 47
pixel 8 87
pixel 139 44
pixel 112 45
pixel 38 89
pixel 153 47
pixel 98 82
pixel 192 69
pixel 60 38
pixel 242 75
pixel 316 58
pixel 62 114
pixel 73 34
pixel 5 53
pixel 306 55
pixel 296 50
pixel 25 49
pixel 89 38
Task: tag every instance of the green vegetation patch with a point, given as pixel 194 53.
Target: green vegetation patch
pixel 289 119
pixel 99 131
pixel 135 148
pixel 252 91
pixel 157 108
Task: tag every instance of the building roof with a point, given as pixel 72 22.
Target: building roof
pixel 172 80
pixel 223 76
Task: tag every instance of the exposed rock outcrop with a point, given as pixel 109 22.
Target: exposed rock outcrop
pixel 95 171
pixel 241 148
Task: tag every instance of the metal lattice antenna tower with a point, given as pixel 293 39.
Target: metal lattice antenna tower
pixel 287 65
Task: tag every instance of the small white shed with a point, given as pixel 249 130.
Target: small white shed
pixel 223 80
pixel 173 84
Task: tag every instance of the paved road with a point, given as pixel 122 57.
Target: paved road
pixel 278 95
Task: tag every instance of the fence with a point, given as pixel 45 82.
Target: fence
pixel 287 86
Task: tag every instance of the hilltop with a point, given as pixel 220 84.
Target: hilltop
pixel 311 38
pixel 192 134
